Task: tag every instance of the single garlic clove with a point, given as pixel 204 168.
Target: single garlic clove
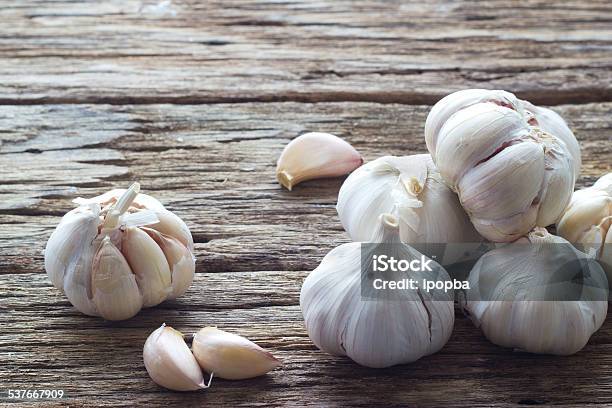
pixel 149 264
pixel 170 363
pixel 170 224
pixel 114 288
pixel 230 356
pixel 584 214
pixel 67 242
pixel 180 259
pixel 315 155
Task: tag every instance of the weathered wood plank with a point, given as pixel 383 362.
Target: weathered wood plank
pixel 380 51
pixel 214 166
pixel 96 362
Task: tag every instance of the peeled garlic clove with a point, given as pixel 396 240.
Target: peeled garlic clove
pixel 230 356
pixel 382 331
pixel 149 264
pixel 114 288
pixel 524 295
pixel 180 260
pixel 476 137
pixel 410 188
pixel 315 155
pixel 170 363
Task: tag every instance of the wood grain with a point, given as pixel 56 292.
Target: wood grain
pixel 243 51
pixel 196 101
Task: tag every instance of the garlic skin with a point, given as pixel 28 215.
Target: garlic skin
pixel 587 220
pixel 411 189
pixel 512 164
pixel 315 155
pixel 108 264
pixel 170 363
pixel 230 356
pixel 517 290
pixel 379 332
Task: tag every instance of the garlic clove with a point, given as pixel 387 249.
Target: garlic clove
pixel 170 224
pixel 584 214
pixel 170 363
pixel 68 242
pixel 482 193
pixel 115 291
pixel 149 264
pixel 180 260
pixel 315 155
pixel 230 356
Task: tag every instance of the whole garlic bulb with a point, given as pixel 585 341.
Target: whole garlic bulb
pixel 411 189
pixel 588 218
pixel 120 252
pixel 512 164
pixel 539 295
pixel 378 332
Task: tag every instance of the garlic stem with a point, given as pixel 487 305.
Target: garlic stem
pixel 121 206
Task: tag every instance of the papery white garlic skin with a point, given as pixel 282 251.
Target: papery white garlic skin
pixel 388 330
pixel 229 356
pixel 510 296
pixel 587 221
pixel 411 189
pixel 315 155
pixel 100 249
pixel 170 363
pixel 512 164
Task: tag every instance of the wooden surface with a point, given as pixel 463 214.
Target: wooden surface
pixel 196 100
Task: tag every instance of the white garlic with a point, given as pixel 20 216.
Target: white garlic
pixel 315 155
pixel 230 356
pixel 512 164
pixel 411 189
pixel 109 265
pixel 587 221
pixel 387 330
pixel 170 363
pixel 538 294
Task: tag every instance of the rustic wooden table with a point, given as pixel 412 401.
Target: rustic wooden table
pixel 196 100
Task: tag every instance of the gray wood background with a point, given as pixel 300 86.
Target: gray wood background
pixel 196 99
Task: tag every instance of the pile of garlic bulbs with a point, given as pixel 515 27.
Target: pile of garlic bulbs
pixel 500 170
pixel 119 252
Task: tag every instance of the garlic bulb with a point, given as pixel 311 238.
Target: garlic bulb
pixel 411 189
pixel 315 155
pixel 512 164
pixel 588 218
pixel 120 252
pixel 392 328
pixel 539 295
pixel 230 356
pixel 170 363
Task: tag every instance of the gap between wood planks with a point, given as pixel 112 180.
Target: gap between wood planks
pixel 550 98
